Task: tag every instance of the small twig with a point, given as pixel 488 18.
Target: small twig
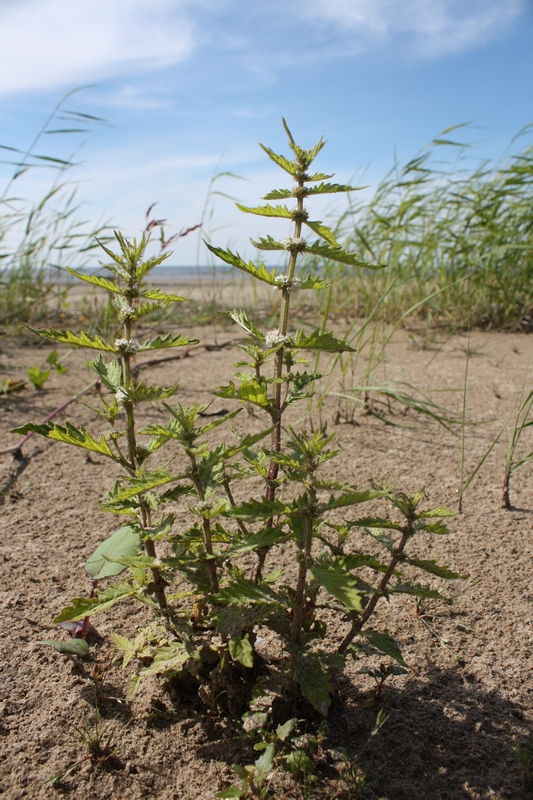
pixel 17 448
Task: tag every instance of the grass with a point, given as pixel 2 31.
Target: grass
pixel 443 224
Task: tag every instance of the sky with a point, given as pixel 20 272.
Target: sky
pixel 188 88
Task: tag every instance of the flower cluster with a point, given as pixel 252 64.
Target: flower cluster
pixel 294 244
pixel 284 282
pixel 275 338
pixel 127 346
pixel 121 396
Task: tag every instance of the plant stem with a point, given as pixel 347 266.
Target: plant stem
pixel 358 624
pixel 299 602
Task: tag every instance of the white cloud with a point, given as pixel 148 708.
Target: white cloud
pixel 432 27
pixel 53 44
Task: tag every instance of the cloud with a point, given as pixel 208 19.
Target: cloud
pixel 431 27
pixel 53 44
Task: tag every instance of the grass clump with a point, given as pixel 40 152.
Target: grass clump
pixel 463 236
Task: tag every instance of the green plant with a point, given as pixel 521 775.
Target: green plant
pixel 450 229
pixel 36 237
pixel 215 581
pixel 39 376
pixel 522 421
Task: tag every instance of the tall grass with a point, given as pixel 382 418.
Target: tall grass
pixel 38 236
pixel 440 224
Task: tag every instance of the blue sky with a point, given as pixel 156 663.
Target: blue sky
pixel 190 87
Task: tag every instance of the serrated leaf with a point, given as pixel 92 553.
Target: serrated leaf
pixel 349 498
pixel 74 647
pixel 322 230
pixel 167 659
pixel 441 511
pixel 164 297
pixel 233 620
pixel 310 282
pixel 268 243
pixel 241 318
pixel 143 394
pixel 38 376
pixel 289 166
pixel 250 391
pixel 340 255
pixel 96 280
pixel 414 589
pixel 70 435
pixel 139 486
pixel 244 591
pixel 260 272
pixel 168 341
pixel 384 642
pixel 123 542
pixel 278 194
pixel 340 584
pixel 332 188
pixel 241 650
pixel 325 342
pixel 76 340
pixel 314 681
pixel 434 568
pixel 375 522
pixel 319 176
pixel 109 373
pixel 267 211
pixel 86 606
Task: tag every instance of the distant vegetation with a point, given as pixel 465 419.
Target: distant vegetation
pixel 457 239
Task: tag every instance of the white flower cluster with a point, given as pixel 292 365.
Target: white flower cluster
pixel 127 346
pixel 274 338
pixel 121 396
pixel 126 313
pixel 296 244
pixel 284 282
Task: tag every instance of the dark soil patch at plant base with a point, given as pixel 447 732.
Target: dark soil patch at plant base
pixel 453 721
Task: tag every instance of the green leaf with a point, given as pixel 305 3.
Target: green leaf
pixel 95 280
pixel 76 340
pixel 267 211
pixel 241 650
pixel 123 542
pixel 268 243
pixel 260 272
pixel 325 342
pixel 164 297
pixel 167 659
pixel 332 188
pixel 168 341
pixel 299 763
pixel 434 568
pixel 38 376
pixel 322 230
pixel 265 762
pixel 244 591
pixel 250 391
pixel 314 680
pixel 74 647
pixel 340 255
pixel 86 606
pixel 109 373
pixel 278 194
pixel 138 486
pixel 289 166
pixel 70 435
pixel 383 641
pixel 339 583
pixel 241 318
pixel 233 791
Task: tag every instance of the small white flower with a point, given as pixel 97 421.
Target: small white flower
pixel 127 346
pixel 273 338
pixel 294 245
pixel 295 285
pixel 121 397
pixel 126 313
pixel 282 280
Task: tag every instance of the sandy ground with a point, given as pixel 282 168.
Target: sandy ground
pixel 453 721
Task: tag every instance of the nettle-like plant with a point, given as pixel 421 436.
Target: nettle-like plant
pixel 288 561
